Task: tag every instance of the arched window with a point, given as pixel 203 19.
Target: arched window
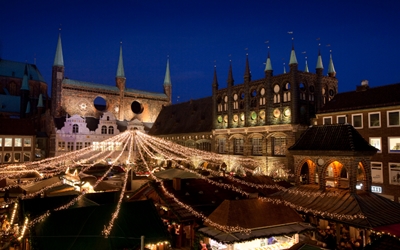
pixel 104 130
pixel 75 129
pixel 111 130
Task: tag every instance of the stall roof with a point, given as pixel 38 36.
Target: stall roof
pixel 374 209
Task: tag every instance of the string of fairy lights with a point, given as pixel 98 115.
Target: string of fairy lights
pixel 149 147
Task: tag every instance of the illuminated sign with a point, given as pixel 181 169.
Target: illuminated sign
pixel 376 189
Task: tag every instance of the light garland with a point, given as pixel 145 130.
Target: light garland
pixel 24 229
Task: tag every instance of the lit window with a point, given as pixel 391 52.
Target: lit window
pixel 327 120
pixel 238 146
pixel 394 173
pixel 279 146
pixel 1 142
pixel 61 146
pixel 222 146
pixel 376 172
pixel 18 142
pixel 357 121
pixel 257 146
pixel 27 156
pixel 27 142
pixel 374 120
pixel 375 142
pixel 7 142
pixel 205 146
pixel 70 146
pixel 394 144
pixel 75 129
pixel 341 119
pixel 17 157
pixel 393 118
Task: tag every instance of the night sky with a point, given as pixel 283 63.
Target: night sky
pixel 197 35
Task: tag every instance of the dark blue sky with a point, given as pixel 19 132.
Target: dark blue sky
pixel 363 37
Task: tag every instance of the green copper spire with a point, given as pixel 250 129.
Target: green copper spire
pixel 268 65
pixel 319 61
pixel 331 67
pixel 28 108
pixel 58 59
pixel 120 70
pixel 306 68
pixel 293 59
pixel 167 78
pixel 40 101
pixel 284 68
pixel 25 84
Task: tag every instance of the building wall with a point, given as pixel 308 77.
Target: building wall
pixel 385 165
pixel 273 108
pixel 17 149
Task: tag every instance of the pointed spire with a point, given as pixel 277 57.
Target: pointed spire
pixel 28 108
pixel 331 67
pixel 25 84
pixel 215 79
pixel 284 68
pixel 58 59
pixel 306 68
pixel 247 73
pixel 230 75
pixel 268 65
pixel 40 101
pixel 120 69
pixel 167 78
pixel 293 59
pixel 319 61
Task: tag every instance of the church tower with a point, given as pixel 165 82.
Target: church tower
pixel 120 81
pixel 57 77
pixel 167 83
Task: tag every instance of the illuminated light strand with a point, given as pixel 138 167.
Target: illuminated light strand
pixel 41 191
pixel 107 230
pixel 145 143
pixel 300 208
pixel 182 150
pixel 23 228
pixel 191 210
pixel 73 201
pixel 13 213
pixel 206 156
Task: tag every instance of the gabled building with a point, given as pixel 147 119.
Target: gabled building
pixel 375 113
pixel 86 113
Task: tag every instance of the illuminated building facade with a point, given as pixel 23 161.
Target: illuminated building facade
pixel 374 113
pixel 257 118
pixel 80 120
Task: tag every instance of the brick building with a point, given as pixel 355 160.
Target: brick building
pixel 258 118
pixel 88 113
pixel 374 113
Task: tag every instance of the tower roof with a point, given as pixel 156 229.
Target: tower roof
pixel 331 67
pixel 215 79
pixel 306 68
pixel 58 59
pixel 293 59
pixel 319 61
pixel 230 75
pixel 120 69
pixel 25 84
pixel 247 73
pixel 268 65
pixel 167 78
pixel 40 101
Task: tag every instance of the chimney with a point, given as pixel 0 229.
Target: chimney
pixel 364 86
pixel 176 183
